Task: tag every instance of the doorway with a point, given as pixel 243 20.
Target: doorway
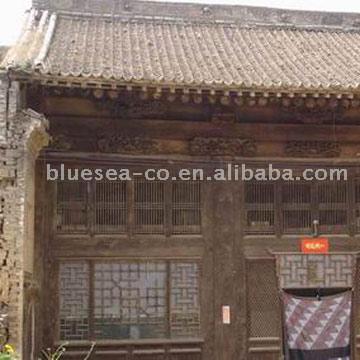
pixel 317 323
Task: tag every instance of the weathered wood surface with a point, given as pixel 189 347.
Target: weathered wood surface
pixel 223 246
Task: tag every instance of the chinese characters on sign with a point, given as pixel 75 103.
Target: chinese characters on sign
pixel 315 246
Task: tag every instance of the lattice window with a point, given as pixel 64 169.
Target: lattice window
pixel 186 211
pixel 296 207
pixel 72 206
pixel 333 207
pixel 357 204
pixel 110 206
pixel 74 300
pixel 260 209
pixel 149 203
pixel 142 207
pixel 357 304
pixel 130 300
pixel 185 300
pixel 264 317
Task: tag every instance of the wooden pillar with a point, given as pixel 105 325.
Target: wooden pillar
pixel 227 279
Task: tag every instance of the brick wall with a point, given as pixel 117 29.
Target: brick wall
pixel 22 135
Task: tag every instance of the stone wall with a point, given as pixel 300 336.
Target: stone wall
pixel 22 135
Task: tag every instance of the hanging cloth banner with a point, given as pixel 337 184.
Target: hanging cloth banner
pixel 317 329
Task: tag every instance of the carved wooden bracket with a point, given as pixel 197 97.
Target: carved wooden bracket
pixel 125 144
pixel 306 149
pixel 62 142
pixel 131 107
pixel 315 112
pixel 222 146
pixel 223 118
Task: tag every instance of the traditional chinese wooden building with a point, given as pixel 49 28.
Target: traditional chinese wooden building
pixel 149 270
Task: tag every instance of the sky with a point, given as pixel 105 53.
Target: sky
pixel 11 12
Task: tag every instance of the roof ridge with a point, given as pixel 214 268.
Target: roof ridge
pixel 55 48
pixel 237 13
pixel 158 20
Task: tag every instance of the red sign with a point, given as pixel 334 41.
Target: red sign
pixel 315 246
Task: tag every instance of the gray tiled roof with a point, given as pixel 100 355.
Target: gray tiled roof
pixel 190 51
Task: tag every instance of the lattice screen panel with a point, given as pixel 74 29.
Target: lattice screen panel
pixel 149 203
pixel 186 211
pixel 110 206
pixel 185 300
pixel 333 207
pixel 357 204
pixel 296 207
pixel 264 317
pixel 72 206
pixel 356 308
pixel 116 207
pixel 291 207
pixel 260 209
pixel 130 300
pixel 74 300
pixel 306 271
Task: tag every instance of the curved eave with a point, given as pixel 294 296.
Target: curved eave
pixel 216 89
pixel 31 48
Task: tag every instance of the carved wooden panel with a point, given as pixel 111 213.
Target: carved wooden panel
pixel 313 149
pixel 222 146
pixel 109 143
pixel 312 271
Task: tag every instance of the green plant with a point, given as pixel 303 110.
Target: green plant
pixel 4 335
pixel 7 353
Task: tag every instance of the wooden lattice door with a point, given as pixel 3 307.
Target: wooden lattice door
pixel 263 310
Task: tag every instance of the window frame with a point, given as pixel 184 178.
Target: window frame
pixel 91 308
pixel 131 207
pixel 278 207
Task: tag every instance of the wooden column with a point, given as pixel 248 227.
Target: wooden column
pixel 227 279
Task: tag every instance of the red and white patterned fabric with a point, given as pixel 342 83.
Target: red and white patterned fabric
pixel 317 329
